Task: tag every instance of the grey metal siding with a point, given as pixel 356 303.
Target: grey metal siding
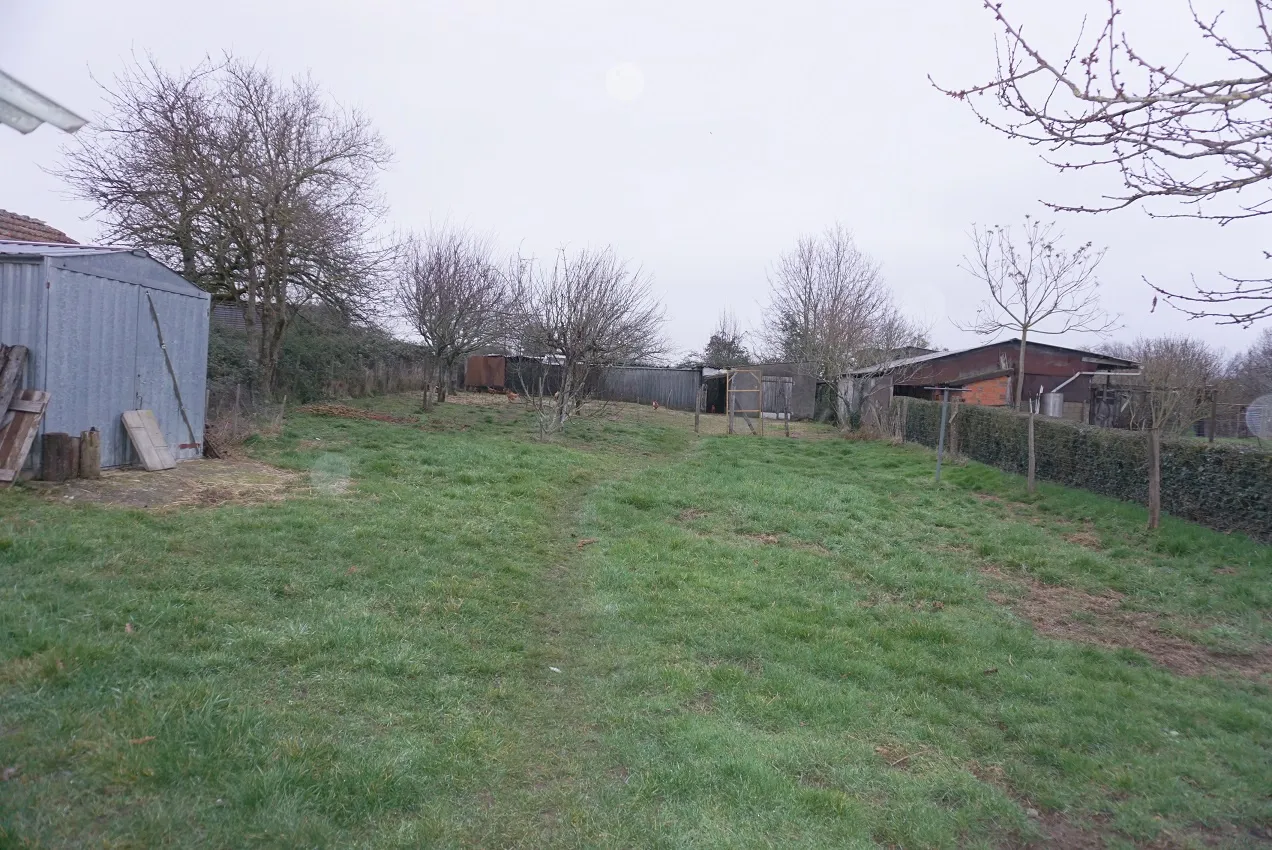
pixel 184 321
pixel 674 388
pixel 23 306
pixel 90 358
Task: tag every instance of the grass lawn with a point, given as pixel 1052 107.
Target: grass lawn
pixel 627 637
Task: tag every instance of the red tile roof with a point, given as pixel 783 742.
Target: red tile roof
pixel 21 228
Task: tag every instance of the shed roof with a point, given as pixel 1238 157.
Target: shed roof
pixel 110 262
pixel 25 228
pixel 1108 361
pixel 27 248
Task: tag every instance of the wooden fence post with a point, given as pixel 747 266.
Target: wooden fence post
pixel 90 454
pixel 697 408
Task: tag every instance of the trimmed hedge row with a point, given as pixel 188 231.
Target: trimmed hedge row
pixel 1221 486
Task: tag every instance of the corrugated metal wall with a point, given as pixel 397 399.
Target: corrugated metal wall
pixel 94 346
pixel 674 388
pixel 90 359
pixel 23 310
pixel 184 320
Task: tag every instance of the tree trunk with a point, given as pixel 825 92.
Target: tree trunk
pixel 1154 477
pixel 60 458
pixel 443 372
pixel 426 400
pixel 1031 482
pixel 1020 369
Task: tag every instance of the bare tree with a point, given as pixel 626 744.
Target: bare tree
pixel 1201 142
pixel 1169 397
pixel 1251 371
pixel 588 310
pixel 260 191
pixel 830 307
pixel 450 292
pixel 727 345
pixel 1036 287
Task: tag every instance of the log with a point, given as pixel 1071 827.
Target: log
pixel 60 458
pixel 90 454
pixel 12 366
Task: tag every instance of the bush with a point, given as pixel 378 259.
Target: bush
pixel 1221 486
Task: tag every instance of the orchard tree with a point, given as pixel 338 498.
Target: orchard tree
pixel 449 291
pixel 1036 286
pixel 589 309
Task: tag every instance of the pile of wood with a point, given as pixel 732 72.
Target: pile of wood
pixel 20 412
pixel 66 457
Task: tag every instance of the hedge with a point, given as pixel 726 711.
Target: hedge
pixel 1225 487
pixel 319 360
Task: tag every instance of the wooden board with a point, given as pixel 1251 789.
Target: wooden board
pixel 16 437
pixel 12 366
pixel 147 438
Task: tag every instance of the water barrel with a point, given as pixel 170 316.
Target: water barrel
pixel 1052 405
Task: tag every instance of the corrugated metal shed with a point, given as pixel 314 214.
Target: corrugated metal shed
pixel 88 315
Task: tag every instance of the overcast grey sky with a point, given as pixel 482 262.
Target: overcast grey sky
pixel 699 137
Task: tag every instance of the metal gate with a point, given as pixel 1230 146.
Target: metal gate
pixel 746 401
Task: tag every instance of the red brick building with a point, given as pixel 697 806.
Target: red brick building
pixel 987 374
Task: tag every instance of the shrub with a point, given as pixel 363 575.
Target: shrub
pixel 1222 486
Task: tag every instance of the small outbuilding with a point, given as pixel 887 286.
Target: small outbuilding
pixel 987 375
pixel 108 330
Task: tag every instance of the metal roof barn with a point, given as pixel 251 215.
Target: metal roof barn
pixel 93 319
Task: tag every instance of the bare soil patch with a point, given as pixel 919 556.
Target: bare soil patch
pixel 344 411
pixel 1087 537
pixel 193 483
pixel 1069 614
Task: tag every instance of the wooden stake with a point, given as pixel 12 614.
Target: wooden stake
pixel 90 454
pixel 1214 414
pixel 697 408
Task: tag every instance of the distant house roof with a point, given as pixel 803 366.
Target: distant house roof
pixel 1101 360
pixel 23 228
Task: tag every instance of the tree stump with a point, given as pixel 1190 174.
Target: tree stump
pixel 60 458
pixel 90 454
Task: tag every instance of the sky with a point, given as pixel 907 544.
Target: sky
pixel 700 139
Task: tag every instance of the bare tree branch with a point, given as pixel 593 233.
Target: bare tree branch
pixel 1203 143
